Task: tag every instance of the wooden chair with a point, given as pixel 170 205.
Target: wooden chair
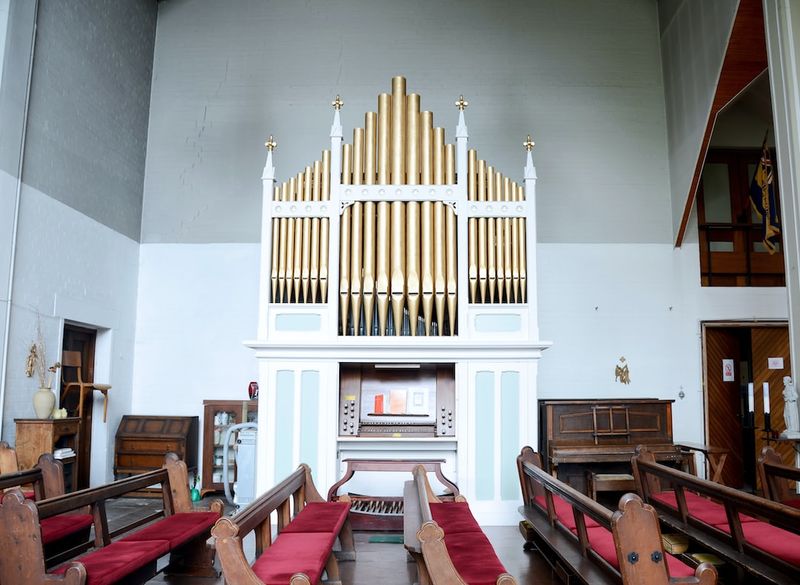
pixel 72 359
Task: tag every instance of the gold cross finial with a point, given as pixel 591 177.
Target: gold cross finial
pixel 529 144
pixel 337 103
pixel 271 144
pixel 461 103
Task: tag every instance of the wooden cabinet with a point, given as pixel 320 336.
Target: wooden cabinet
pixel 142 441
pixel 36 436
pixel 218 416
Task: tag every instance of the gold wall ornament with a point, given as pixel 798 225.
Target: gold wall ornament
pixel 621 373
pixel 529 144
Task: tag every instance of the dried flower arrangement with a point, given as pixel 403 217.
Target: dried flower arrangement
pixel 37 360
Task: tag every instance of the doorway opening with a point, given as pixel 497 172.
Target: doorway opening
pixel 735 355
pixel 82 340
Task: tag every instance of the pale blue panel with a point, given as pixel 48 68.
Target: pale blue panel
pixel 509 435
pixel 484 435
pixel 309 417
pixel 292 322
pixel 284 423
pixel 504 323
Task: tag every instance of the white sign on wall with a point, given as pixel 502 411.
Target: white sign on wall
pixel 727 370
pixel 775 363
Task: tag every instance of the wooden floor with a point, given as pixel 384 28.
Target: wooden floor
pixel 378 562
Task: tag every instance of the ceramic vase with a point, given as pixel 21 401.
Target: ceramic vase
pixel 43 402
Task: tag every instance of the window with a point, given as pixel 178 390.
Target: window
pixel 732 251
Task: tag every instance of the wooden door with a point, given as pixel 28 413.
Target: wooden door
pixel 724 399
pixel 771 342
pixel 83 340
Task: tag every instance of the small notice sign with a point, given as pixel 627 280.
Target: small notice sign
pixel 775 363
pixel 727 370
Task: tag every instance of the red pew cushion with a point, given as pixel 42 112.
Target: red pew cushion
pixel 776 541
pixel 454 517
pixel 319 517
pixel 176 529
pixel 57 527
pixel 703 509
pixel 564 513
pixel 602 542
pixel 474 558
pixel 794 503
pixel 292 553
pixel 112 563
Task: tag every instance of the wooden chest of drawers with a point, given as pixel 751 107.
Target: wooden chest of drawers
pixel 142 441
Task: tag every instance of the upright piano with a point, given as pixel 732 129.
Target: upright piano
pixel 601 436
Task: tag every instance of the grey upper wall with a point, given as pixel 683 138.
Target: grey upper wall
pixel 584 78
pixel 694 38
pixel 90 96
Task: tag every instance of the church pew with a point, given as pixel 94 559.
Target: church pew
pixel 586 542
pixel 177 530
pixel 776 477
pixel 759 537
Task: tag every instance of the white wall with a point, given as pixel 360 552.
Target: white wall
pixel 70 267
pixel 196 305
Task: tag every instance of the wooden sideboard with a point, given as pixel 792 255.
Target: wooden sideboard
pixel 36 436
pixel 218 416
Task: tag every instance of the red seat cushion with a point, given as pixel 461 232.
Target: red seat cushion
pixel 454 517
pixel 292 553
pixel 703 509
pixel 176 529
pixel 112 563
pixel 57 527
pixel 320 517
pixel 564 513
pixel 602 542
pixel 474 558
pixel 776 541
pixel 794 503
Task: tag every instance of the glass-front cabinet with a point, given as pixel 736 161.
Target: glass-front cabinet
pixel 219 415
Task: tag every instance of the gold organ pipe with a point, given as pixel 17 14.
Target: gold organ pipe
pixel 472 188
pixel 426 249
pixel 276 243
pixel 298 241
pixel 368 283
pixel 384 137
pixel 344 242
pixel 324 226
pixel 305 274
pixel 501 238
pixel 482 261
pixel 413 263
pixel 356 242
pixel 382 265
pixel 398 139
pixel 491 242
pixel 449 164
pixel 412 139
pixel 398 263
pixel 314 273
pixel 451 272
pixel 523 251
pixel 283 227
pixel 509 190
pixel 290 243
pixel 439 270
pixel 358 156
pixel 370 123
pixel 515 235
pixel 438 156
pixel 426 148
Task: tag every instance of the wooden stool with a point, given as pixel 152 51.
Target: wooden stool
pixel 608 482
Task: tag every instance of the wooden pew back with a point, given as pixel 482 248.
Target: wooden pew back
pixel 776 476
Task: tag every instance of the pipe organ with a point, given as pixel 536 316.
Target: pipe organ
pixel 422 238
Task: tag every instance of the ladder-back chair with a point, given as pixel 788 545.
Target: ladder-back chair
pixel 72 359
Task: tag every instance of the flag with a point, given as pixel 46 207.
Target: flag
pixel 762 198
